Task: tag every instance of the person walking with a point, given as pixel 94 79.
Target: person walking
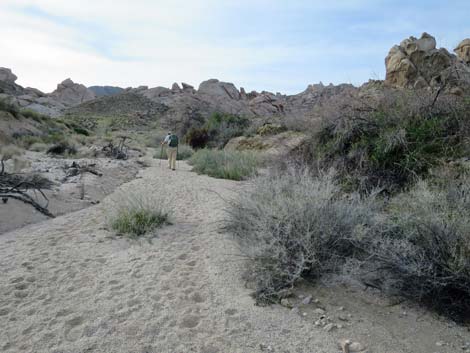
pixel 171 140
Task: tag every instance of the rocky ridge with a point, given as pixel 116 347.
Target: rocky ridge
pixel 417 63
pixel 414 63
pixel 67 94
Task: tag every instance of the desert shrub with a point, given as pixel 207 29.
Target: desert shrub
pixel 271 129
pixel 136 215
pixel 197 138
pixel 223 127
pixel 62 148
pixel 217 131
pixel 81 131
pixel 421 248
pixel 292 225
pixel 7 106
pixel 225 164
pixel 29 113
pixel 38 147
pixel 392 141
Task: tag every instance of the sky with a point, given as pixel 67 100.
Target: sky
pixel 278 46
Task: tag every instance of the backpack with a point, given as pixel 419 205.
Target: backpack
pixel 173 141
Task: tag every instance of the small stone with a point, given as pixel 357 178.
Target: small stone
pixel 329 327
pixel 342 318
pixel 356 347
pixel 295 310
pixel 307 300
pixel 440 343
pixel 286 303
pixel 304 314
pixel 319 311
pixel 266 348
pixel 341 308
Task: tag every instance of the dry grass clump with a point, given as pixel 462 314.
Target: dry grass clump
pixel 136 215
pixel 222 164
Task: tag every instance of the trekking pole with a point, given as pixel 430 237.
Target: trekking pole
pixel 161 156
pixel 177 161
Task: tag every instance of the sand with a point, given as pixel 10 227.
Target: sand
pixel 69 285
pixel 65 196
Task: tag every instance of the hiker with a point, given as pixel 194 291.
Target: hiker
pixel 171 140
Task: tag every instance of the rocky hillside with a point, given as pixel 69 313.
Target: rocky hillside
pixel 66 95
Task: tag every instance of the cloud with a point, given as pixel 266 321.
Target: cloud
pixel 258 44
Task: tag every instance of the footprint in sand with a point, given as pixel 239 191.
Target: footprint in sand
pixel 198 298
pixel 73 329
pixel 190 321
pixel 17 280
pixel 183 257
pixel 231 312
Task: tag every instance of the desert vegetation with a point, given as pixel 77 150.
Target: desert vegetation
pixel 298 224
pixel 217 131
pixel 136 215
pixel 379 192
pixel 222 164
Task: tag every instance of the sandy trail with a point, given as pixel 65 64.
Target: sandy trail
pixel 67 286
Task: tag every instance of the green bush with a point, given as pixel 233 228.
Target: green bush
pixel 9 107
pixel 225 164
pixel 197 138
pixel 393 142
pixel 137 215
pixel 29 113
pixel 217 131
pixel 62 148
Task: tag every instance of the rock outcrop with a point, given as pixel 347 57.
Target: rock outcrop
pixel 417 63
pixel 70 93
pixel 463 51
pixel 67 94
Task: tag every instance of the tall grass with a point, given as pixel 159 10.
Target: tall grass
pixel 222 164
pixel 136 215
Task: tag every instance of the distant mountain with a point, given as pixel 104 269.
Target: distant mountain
pixel 101 91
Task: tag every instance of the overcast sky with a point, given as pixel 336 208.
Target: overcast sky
pixel 257 44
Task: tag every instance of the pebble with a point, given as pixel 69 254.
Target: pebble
pixel 329 327
pixel 351 347
pixel 285 302
pixel 307 300
pixel 319 311
pixel 266 348
pixel 441 343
